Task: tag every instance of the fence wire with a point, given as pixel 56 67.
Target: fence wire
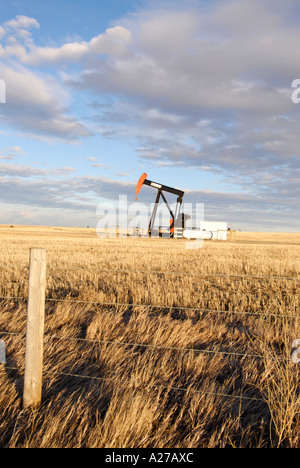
pixel 154 346
pixel 143 345
pixel 150 306
pixel 140 383
pixel 159 386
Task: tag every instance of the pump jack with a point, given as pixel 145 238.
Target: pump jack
pixel 176 220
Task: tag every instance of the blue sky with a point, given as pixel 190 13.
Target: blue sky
pixel 195 93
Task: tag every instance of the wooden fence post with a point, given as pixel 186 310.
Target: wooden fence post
pixel 35 329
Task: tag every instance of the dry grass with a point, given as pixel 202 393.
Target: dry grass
pixel 164 391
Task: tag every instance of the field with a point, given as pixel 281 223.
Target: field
pixel 207 365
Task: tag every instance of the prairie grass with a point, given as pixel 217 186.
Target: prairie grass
pixel 209 366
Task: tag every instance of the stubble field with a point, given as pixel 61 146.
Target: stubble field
pixel 148 344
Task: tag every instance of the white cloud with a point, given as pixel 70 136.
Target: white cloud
pixel 166 31
pixel 19 28
pixel 180 62
pixel 28 215
pixel 21 22
pixel 71 52
pixel 36 103
pixel 114 41
pixel 195 66
pixel 11 152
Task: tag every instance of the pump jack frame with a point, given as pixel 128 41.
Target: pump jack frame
pixel 160 189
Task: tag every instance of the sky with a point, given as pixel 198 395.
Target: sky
pixel 196 93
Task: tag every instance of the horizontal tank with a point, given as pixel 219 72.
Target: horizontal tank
pixel 193 234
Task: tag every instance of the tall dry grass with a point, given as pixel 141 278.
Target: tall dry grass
pixel 134 376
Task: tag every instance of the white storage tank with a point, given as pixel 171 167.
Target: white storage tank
pixel 208 230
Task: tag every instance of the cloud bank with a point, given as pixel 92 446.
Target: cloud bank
pixel 202 88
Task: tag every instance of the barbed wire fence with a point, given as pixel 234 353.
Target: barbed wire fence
pixel 115 305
